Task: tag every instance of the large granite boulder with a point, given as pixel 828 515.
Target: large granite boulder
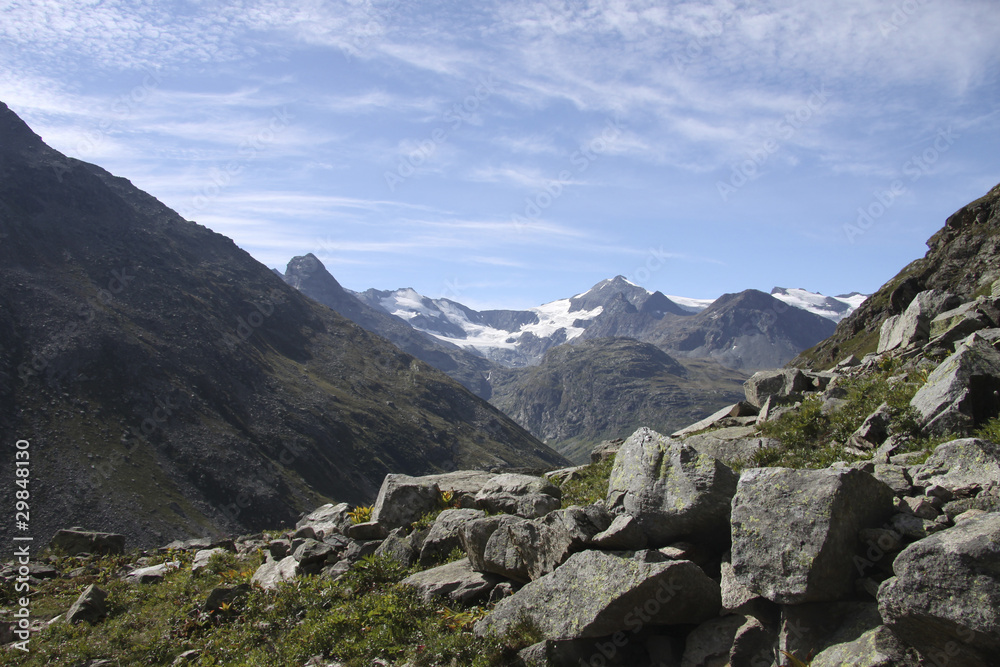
pixel 544 544
pixel 403 499
pixel 961 464
pixel 913 326
pixel 596 594
pixel 963 391
pixel 271 573
pixel 671 489
pixel 75 541
pixel 787 383
pixel 945 597
pixel 878 647
pixel 327 520
pixel 795 532
pixel 522 495
pixel 90 606
pixel 456 581
pixel 445 534
pixel 491 547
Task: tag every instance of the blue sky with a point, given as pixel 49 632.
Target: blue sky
pixel 507 153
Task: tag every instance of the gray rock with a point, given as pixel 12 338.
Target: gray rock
pixel 271 573
pixel 671 489
pixel 912 327
pixel 544 544
pixel 878 647
pixel 806 629
pixel 368 530
pixel 962 391
pixel 152 574
pixel 75 541
pixel 187 658
pixel 463 484
pixel 402 500
pixel 710 643
pixel 222 597
pixel 780 384
pixel 722 417
pixel 961 463
pixel 278 549
pixel 445 534
pixel 895 476
pixel 946 593
pixel 401 546
pixel 730 445
pixel 735 596
pixel 327 519
pixel 312 555
pixel 754 644
pixel 201 558
pixel 522 495
pixel 622 594
pixel 89 607
pixel 795 532
pixel 875 428
pixel 605 450
pixel 624 533
pixel 456 581
pixel 491 548
pixel 563 475
pixel 358 549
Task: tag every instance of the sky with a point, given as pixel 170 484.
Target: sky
pixel 505 154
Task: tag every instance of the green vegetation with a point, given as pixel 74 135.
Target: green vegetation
pixel 591 487
pixel 366 615
pixel 812 438
pixel 990 431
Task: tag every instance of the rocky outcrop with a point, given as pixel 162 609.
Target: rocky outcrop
pixel 963 391
pixel 623 594
pixel 795 532
pixel 456 581
pixel 74 541
pixel 671 489
pixel 945 597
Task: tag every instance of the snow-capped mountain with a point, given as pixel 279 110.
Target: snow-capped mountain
pixel 833 308
pixel 615 308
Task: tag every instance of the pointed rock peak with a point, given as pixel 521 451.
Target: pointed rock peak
pixel 306 269
pixel 14 132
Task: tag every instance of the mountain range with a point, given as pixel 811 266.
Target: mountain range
pixel 170 385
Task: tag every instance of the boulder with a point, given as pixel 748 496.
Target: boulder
pixel 222 597
pixel 963 391
pixel 710 644
pixel 735 596
pixel 402 547
pixel 624 533
pixel 945 597
pixel 563 475
pixel 896 476
pixel 671 489
pixel 402 500
pixel 368 530
pixel 491 548
pixel 73 541
pixel 312 555
pixel 875 428
pixel 271 572
pixel 621 594
pixel 456 581
pixel 90 606
pixel 971 316
pixel 152 574
pixel 522 495
pixel 913 326
pixel 605 450
pixel 462 484
pixel 445 534
pixel 878 647
pixel 807 629
pixel 202 558
pixel 735 444
pixel 327 519
pixel 724 416
pixel 785 384
pixel 795 532
pixel 544 544
pixel 961 463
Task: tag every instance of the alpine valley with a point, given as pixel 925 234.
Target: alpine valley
pixel 594 366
